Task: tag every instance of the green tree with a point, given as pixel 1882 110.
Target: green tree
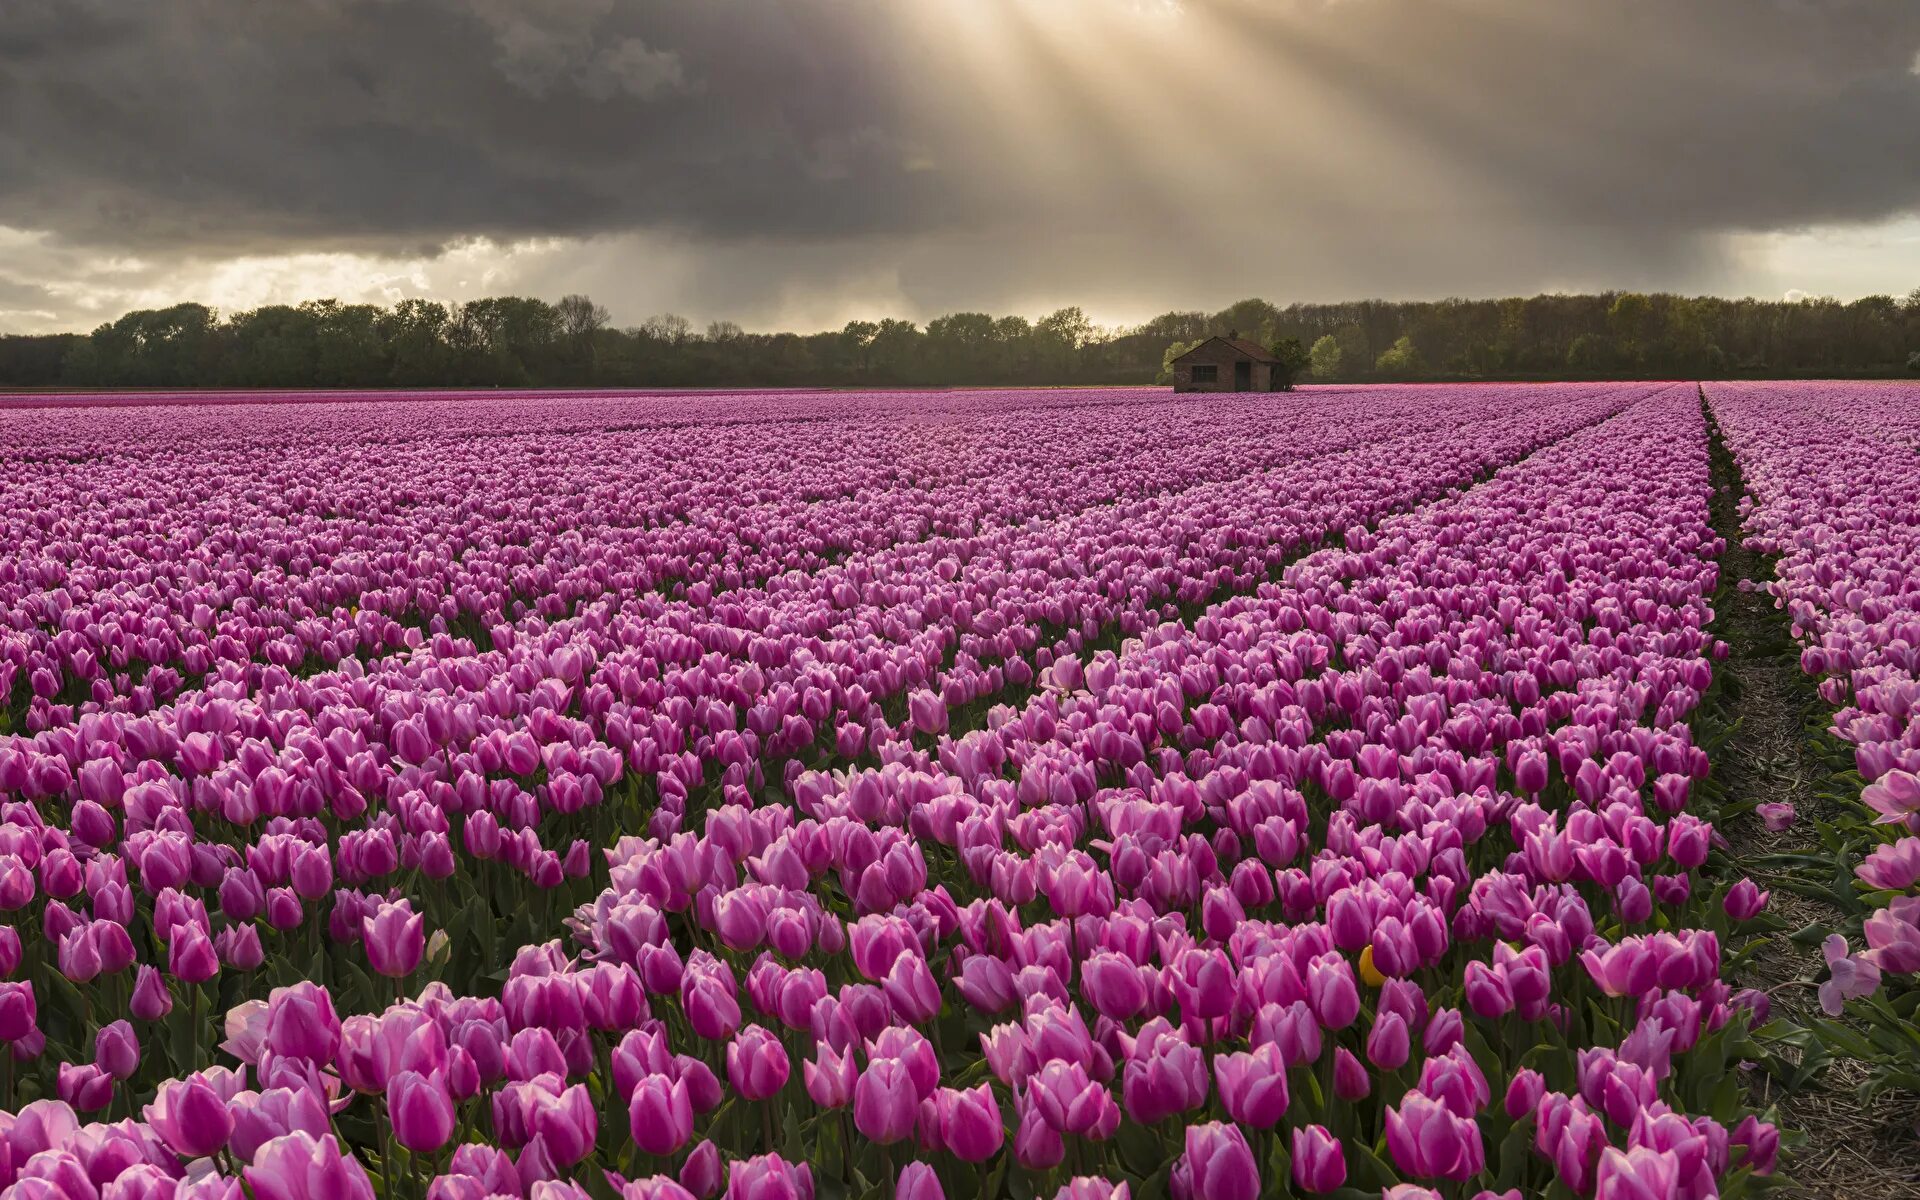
pixel 1353 348
pixel 1058 339
pixel 1590 353
pixel 524 341
pixel 856 341
pixel 671 328
pixel 1166 360
pixel 1013 342
pixel 416 336
pixel 1293 360
pixel 1630 318
pixel 896 349
pixel 1068 327
pixel 512 337
pixel 961 344
pixel 348 350
pixel 36 360
pixel 1400 359
pixel 1178 327
pixel 1686 335
pixel 169 347
pixel 1324 358
pixel 272 346
pixel 581 321
pixel 1247 318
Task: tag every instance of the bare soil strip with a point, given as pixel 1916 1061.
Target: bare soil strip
pixel 1851 1150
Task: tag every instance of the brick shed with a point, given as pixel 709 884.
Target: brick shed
pixel 1228 365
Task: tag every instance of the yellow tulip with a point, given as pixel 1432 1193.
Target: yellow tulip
pixel 1367 970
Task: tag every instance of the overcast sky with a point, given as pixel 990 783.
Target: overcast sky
pixel 794 163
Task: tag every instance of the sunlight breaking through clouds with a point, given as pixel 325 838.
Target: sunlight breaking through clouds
pixel 825 157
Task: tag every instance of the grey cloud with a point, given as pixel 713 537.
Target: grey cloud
pixel 230 126
pixel 543 43
pixel 1323 146
pixel 23 296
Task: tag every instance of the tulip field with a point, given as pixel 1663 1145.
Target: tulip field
pixel 1078 793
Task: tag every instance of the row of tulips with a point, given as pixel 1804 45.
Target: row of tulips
pixel 1399 779
pixel 1833 488
pixel 1276 893
pixel 137 567
pixel 233 841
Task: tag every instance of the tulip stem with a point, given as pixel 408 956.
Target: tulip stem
pixel 846 1145
pixel 384 1123
pixel 193 1023
pixel 313 943
pixel 766 1124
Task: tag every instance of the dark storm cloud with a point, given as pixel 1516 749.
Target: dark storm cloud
pixel 975 151
pixel 235 124
pixel 1681 114
pixel 20 296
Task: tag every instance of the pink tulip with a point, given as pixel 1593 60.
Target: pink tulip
pixel 1319 1164
pixel 1427 1140
pixel 420 1110
pixel 757 1064
pixel 300 1166
pixel 1217 1165
pixel 885 1102
pixel 661 1115
pixel 190 1116
pixel 395 939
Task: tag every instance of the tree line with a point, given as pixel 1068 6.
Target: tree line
pixel 515 341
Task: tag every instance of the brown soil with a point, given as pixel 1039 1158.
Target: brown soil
pixel 1850 1149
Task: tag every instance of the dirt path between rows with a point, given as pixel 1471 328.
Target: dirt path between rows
pixel 1852 1150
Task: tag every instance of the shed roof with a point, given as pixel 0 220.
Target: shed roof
pixel 1251 349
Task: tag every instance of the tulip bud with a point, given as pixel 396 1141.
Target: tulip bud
pixel 395 939
pixel 239 947
pixel 885 1101
pixel 918 1182
pixel 1524 1093
pixel 151 1000
pixel 190 1117
pixel 1350 1079
pixel 191 957
pixel 289 1166
pixel 830 1077
pixel 116 1050
pixel 1217 1165
pixel 301 1023
pixel 757 1063
pixel 969 1121
pixel 421 1110
pixel 84 1086
pixel 1253 1086
pixel 700 1174
pixel 660 1115
pixel 1332 991
pixel 1745 901
pixel 1429 1141
pixel 1319 1164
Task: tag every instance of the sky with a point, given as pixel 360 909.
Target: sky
pixel 794 164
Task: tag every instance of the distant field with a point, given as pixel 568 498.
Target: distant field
pixel 1342 790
